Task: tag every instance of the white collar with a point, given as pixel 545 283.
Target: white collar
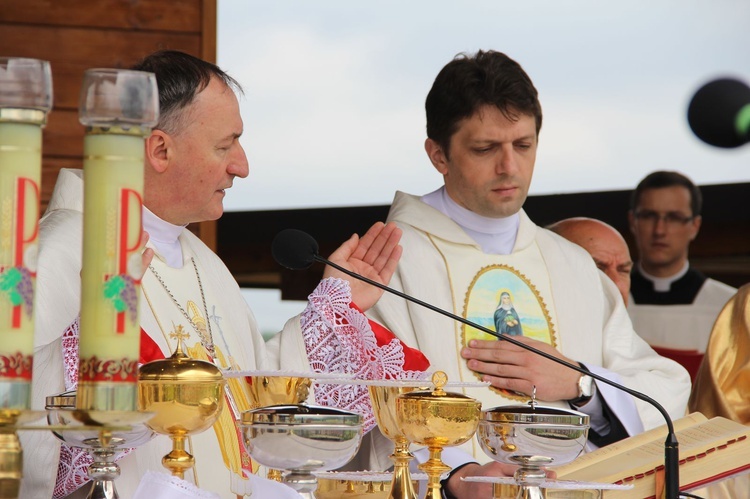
pixel 495 235
pixel 164 237
pixel 663 284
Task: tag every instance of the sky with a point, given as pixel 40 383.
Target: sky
pixel 334 92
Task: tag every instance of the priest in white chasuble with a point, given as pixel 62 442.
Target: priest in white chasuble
pixel 191 157
pixel 470 240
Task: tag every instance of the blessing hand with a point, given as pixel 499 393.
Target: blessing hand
pixel 374 255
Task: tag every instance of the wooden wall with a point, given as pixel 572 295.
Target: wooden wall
pixel 75 35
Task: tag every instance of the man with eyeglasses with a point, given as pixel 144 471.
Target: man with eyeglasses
pixel 673 306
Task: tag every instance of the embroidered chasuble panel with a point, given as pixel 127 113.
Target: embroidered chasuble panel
pixel 509 294
pixel 187 300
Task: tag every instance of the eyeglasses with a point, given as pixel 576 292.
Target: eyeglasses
pixel 671 219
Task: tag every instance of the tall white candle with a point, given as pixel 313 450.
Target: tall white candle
pixel 110 279
pixel 20 172
pixel 118 107
pixel 25 100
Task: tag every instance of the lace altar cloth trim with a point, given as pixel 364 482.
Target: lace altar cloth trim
pixel 339 339
pixel 364 476
pixel 72 469
pixel 165 486
pixel 422 381
pixel 289 373
pixel 549 484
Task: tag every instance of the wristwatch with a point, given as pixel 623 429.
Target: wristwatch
pixel 586 389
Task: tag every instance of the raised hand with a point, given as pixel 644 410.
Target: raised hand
pixel 374 255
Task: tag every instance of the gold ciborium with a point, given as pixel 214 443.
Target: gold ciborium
pixel 437 419
pixel 187 397
pixel 383 395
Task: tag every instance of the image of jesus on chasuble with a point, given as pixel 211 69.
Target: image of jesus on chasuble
pixel 502 299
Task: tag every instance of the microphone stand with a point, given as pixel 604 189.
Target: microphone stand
pixel 671 446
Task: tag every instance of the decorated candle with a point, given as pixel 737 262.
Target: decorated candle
pixel 25 99
pixel 112 107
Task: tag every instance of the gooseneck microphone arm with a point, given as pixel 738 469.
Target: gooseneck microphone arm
pixel 306 251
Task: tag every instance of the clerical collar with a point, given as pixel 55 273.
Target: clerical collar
pixel 663 284
pixel 495 235
pixel 165 238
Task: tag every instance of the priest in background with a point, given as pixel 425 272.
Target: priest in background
pixel 673 305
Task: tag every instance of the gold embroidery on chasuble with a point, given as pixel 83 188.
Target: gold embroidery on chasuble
pixel 236 401
pixel 203 343
pixel 510 294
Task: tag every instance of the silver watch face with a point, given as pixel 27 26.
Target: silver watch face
pixel 586 386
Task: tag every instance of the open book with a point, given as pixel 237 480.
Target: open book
pixel 710 450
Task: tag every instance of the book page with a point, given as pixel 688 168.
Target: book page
pixel 693 441
pixel 657 435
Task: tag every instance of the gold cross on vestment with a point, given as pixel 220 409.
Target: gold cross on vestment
pixel 178 333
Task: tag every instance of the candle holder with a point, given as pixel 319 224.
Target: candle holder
pixel 437 419
pixel 103 434
pixel 118 108
pixel 25 101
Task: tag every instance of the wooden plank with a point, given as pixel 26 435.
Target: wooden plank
pixel 164 15
pixel 208 32
pixel 63 135
pixel 71 51
pixel 207 230
pixel 90 47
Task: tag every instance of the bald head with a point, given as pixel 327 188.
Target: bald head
pixel 605 245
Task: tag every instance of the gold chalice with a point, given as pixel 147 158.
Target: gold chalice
pixel 383 395
pixel 277 389
pixel 437 419
pixel 358 484
pixel 186 395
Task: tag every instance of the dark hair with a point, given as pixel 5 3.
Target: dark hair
pixel 662 179
pixel 180 78
pixel 469 82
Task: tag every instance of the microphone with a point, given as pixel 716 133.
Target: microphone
pixel 719 113
pixel 297 250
